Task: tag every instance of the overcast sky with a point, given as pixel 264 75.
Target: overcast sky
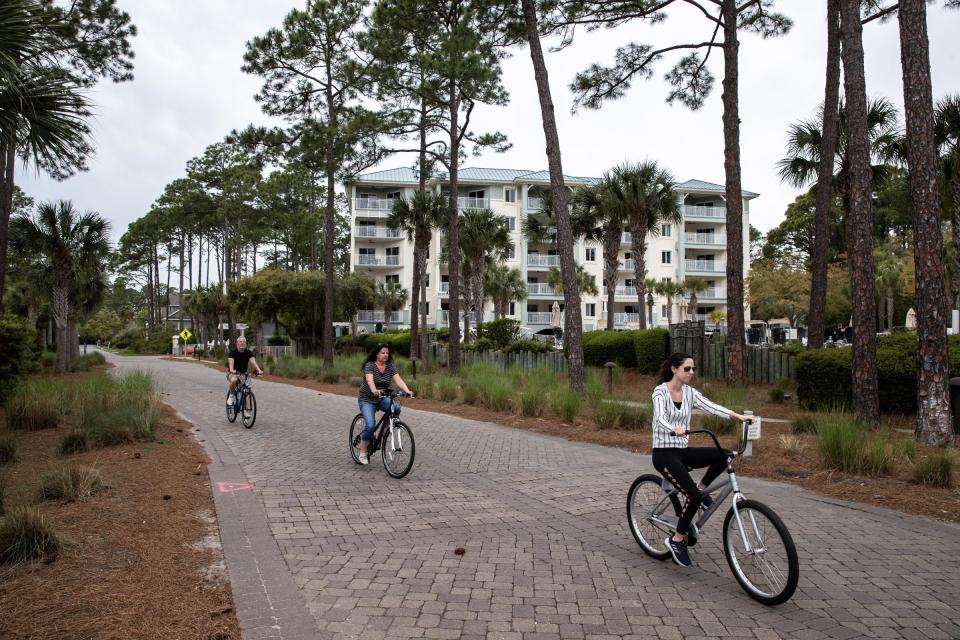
pixel 189 92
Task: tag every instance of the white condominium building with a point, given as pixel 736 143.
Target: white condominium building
pixel 695 248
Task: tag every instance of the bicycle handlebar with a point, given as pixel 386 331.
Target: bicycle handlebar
pixel 743 445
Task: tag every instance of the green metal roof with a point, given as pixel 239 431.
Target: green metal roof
pixel 709 187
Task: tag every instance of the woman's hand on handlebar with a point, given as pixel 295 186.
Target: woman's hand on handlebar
pixel 679 431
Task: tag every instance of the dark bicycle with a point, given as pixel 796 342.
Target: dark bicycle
pixel 242 397
pixel 391 436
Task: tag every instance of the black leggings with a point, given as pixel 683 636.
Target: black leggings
pixel 673 464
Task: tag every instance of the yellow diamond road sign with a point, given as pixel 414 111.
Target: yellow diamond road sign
pixel 186 335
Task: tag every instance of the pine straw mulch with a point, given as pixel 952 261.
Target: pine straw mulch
pixel 144 557
pixel 769 459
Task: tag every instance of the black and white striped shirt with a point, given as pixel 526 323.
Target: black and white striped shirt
pixel 666 415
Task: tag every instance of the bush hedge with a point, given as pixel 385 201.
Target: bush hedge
pixel 399 341
pixel 499 332
pixel 533 346
pixel 277 340
pixel 652 348
pixel 601 347
pixel 19 355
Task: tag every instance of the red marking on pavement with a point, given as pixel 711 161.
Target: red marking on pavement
pixel 226 487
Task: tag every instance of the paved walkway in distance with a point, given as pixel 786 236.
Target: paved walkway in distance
pixel 320 547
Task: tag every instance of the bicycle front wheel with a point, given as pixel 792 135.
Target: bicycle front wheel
pixel 760 552
pixel 249 413
pixel 648 507
pixel 231 407
pixel 356 431
pixel 398 450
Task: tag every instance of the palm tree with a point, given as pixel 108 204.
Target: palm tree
pixel 67 241
pixel 888 273
pixel 483 235
pixel 947 130
pixel 649 285
pixel 585 281
pixel 670 290
pixel 390 296
pixel 693 286
pixel 643 194
pixel 504 285
pixel 418 218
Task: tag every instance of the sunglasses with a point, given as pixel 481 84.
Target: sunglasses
pixel 690 369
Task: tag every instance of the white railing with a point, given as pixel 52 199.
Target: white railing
pixel 537 260
pixel 704 266
pixel 473 203
pixel 444 289
pixel 542 317
pixel 713 239
pixel 626 238
pixel 627 265
pixel 279 351
pixel 534 204
pixel 622 318
pixel 712 293
pixel 704 212
pixel 376 232
pixel 445 317
pixel 373 204
pixel 377 261
pixel 541 289
pixel 622 291
pixel 697 317
pixel 368 315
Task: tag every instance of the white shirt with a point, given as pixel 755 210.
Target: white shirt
pixel 666 416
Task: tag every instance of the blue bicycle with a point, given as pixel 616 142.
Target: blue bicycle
pixel 242 397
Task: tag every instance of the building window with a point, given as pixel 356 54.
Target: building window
pixel 665 257
pixel 663 311
pixel 591 254
pixel 591 310
pixel 426 308
pixel 395 279
pixel 426 278
pixel 665 230
pixel 511 223
pixel 512 253
pixel 476 194
pixel 366 251
pixel 509 195
pixel 513 309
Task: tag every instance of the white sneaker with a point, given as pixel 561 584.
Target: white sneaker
pixel 230 400
pixel 364 459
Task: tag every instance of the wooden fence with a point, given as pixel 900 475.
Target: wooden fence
pixel 554 361
pixel 763 365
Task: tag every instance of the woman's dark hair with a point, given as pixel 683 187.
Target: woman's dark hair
pixel 675 360
pixel 372 356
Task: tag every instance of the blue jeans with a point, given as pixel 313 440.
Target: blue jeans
pixel 369 409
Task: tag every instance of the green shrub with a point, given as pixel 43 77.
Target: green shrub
pixel 595 392
pixel 531 403
pixel 399 341
pixel 497 394
pixel 841 442
pixel 878 457
pixel 601 347
pixel 499 333
pixel 533 346
pixel 299 368
pixel 634 418
pixel 823 378
pixel 84 362
pixel 329 377
pixel 803 423
pixel 115 411
pixel 652 347
pixel 8 448
pixel 19 355
pixel 793 348
pixel 481 344
pixel 36 404
pixel 26 535
pixel 606 415
pixel 277 340
pixel 48 360
pixel 74 483
pixel 73 442
pixel 446 389
pixel 441 334
pixel 565 403
pixel 936 469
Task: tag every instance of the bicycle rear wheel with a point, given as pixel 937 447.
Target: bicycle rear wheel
pixel 231 407
pixel 356 431
pixel 249 412
pixel 647 505
pixel 398 449
pixel 760 552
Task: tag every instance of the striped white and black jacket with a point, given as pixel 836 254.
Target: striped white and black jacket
pixel 666 416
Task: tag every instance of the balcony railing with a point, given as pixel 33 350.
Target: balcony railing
pixel 378 316
pixel 473 203
pixel 445 317
pixel 364 260
pixel 383 205
pixel 711 294
pixel 620 319
pixel 711 239
pixel 541 289
pixel 712 213
pixel 627 265
pixel 377 232
pixel 534 204
pixel 626 238
pixel 542 317
pixel 537 260
pixel 622 291
pixel 444 289
pixel 704 266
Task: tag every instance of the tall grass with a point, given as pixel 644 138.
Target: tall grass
pixel 565 403
pixel 72 483
pixel 634 418
pixel 116 411
pixel 606 415
pixel 879 457
pixel 935 469
pixel 803 423
pixel 26 535
pixel 36 403
pixel 85 362
pixel 8 448
pixel 298 368
pixel 446 389
pixel 729 396
pixel 841 441
pixel 531 403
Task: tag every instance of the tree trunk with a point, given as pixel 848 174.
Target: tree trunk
pixel 420 239
pixel 933 402
pixel 61 312
pixel 418 306
pixel 573 323
pixel 329 232
pixel 817 323
pixel 866 403
pixel 955 193
pixel 156 276
pixel 8 158
pixel 453 232
pixel 611 267
pixel 638 229
pixel 736 348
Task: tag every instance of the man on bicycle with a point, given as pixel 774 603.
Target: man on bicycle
pixel 238 362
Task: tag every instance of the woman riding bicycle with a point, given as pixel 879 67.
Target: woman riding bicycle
pixel 673 403
pixel 378 372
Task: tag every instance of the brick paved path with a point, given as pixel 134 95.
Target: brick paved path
pixel 322 547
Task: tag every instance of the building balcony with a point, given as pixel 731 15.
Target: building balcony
pixel 627 265
pixel 534 204
pixel 705 240
pixel 714 293
pixel 399 317
pixel 473 203
pixel 377 233
pixel 373 207
pixel 443 290
pixel 630 292
pixel 541 289
pixel 704 213
pixel 536 260
pixel 444 319
pixel 363 260
pixel 542 317
pixel 621 319
pixel 705 266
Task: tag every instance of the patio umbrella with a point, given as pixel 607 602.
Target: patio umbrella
pixel 556 314
pixel 911 321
